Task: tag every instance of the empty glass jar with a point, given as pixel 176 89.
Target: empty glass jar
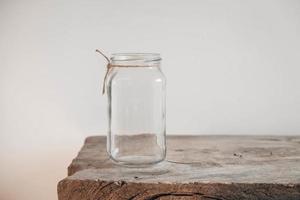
pixel 136 90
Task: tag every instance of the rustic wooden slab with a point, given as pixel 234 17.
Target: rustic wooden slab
pixel 197 167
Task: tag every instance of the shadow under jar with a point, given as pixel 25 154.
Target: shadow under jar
pixel 136 90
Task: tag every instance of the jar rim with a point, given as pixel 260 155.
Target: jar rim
pixel 146 57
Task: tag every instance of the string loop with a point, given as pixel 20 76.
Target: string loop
pixel 108 67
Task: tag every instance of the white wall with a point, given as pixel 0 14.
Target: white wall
pixel 232 66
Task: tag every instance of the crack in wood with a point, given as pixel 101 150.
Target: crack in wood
pixel 213 197
pixel 106 185
pixel 132 198
pixel 156 196
pixel 183 194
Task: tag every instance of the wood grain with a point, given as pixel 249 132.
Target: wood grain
pixel 197 167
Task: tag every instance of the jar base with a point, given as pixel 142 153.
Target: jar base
pixel 136 161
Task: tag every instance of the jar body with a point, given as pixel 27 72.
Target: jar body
pixel 137 115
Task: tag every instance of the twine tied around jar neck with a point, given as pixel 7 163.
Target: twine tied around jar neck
pixel 109 66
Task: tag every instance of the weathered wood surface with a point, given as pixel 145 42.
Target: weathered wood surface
pixel 197 167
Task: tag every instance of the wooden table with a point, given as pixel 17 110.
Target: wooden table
pixel 197 167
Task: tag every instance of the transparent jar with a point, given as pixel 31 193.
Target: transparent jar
pixel 136 90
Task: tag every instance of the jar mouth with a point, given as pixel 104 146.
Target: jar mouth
pixel 145 57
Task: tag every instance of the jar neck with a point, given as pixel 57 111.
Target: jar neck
pixel 136 59
pixel 135 64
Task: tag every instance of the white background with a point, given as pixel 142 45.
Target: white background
pixel 232 68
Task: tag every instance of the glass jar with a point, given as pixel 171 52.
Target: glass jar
pixel 136 90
